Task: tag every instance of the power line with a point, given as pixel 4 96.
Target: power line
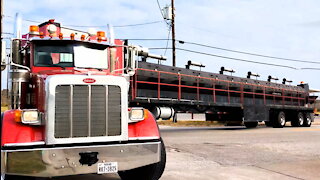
pixel 168 39
pixel 310 68
pixel 101 26
pixel 126 25
pixel 243 60
pixel 235 51
pixel 140 24
pixel 252 54
pixel 236 59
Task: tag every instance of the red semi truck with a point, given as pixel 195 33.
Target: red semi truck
pixel 69 109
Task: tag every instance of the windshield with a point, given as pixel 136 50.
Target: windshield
pixel 70 54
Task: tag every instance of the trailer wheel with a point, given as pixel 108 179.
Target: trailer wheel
pixel 280 120
pixel 298 121
pixel 251 124
pixel 149 172
pixel 307 120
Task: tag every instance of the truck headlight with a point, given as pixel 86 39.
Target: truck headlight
pixel 32 117
pixel 137 114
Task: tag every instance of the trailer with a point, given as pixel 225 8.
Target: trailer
pixel 166 90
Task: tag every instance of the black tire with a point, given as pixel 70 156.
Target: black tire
pixel 149 172
pixel 307 120
pixel 12 177
pixel 298 121
pixel 268 123
pixel 251 124
pixel 280 120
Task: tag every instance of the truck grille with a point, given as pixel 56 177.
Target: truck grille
pixel 87 111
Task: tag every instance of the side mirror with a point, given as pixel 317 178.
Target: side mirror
pixel 131 60
pixel 3 55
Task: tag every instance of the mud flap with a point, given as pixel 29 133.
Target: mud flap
pixel 253 113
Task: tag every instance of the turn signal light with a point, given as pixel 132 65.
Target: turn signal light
pixel 34 30
pixel 145 113
pixel 17 115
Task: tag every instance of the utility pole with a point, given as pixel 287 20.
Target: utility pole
pixel 173 35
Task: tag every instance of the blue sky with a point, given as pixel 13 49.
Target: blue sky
pixel 286 28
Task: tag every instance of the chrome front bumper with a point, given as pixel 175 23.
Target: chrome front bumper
pixel 52 162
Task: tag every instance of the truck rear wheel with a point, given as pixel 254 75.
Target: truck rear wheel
pixel 280 120
pixel 149 172
pixel 298 121
pixel 307 120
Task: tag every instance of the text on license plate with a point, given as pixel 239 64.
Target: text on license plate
pixel 108 167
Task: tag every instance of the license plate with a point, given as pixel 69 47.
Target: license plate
pixel 108 167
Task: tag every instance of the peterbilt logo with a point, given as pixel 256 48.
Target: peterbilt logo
pixel 89 80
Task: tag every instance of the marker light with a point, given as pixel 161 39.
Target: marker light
pixel 51 21
pixel 34 30
pixel 60 36
pixel 101 36
pixel 72 36
pixel 41 35
pixel 83 37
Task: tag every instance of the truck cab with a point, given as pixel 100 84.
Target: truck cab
pixel 69 109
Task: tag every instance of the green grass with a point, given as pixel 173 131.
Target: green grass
pixel 190 123
pixel 4 108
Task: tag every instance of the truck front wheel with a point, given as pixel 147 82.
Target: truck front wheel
pixel 149 172
pixel 12 177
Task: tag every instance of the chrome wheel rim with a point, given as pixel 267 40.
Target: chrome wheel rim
pixel 300 121
pixel 282 120
pixel 308 120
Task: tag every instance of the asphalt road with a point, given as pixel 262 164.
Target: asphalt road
pixel 240 153
pixel 200 153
